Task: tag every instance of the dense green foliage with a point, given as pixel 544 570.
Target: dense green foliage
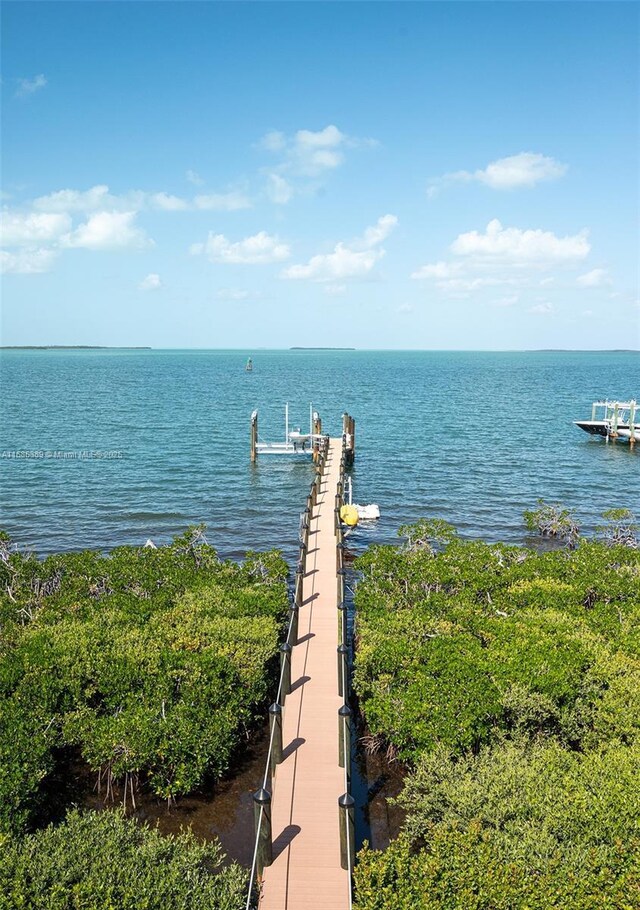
pixel 103 861
pixel 151 662
pixel 508 680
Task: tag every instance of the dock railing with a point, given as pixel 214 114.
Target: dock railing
pixel 346 803
pixel 263 846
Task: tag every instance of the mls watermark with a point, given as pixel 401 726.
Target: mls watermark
pixel 59 455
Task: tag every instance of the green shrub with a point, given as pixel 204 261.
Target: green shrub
pixel 150 662
pixel 103 861
pixel 508 680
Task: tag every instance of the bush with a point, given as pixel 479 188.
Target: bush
pixel 153 663
pixel 103 861
pixel 508 680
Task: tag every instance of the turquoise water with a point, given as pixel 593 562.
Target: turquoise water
pixel 471 437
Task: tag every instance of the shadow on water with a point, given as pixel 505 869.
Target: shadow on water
pixel 374 782
pixel 225 813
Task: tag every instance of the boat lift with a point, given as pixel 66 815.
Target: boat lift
pixel 613 420
pixel 295 442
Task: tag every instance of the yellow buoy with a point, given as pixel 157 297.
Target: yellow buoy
pixel 349 516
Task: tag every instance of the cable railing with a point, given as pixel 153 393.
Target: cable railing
pixel 346 803
pixel 263 847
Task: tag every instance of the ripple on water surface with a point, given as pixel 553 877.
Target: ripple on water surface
pixel 472 437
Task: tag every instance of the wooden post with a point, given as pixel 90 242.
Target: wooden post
pixel 632 423
pixel 254 435
pixel 614 428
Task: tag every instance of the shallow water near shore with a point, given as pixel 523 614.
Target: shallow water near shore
pixel 108 447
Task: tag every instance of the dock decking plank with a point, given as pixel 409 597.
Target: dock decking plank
pixel 306 873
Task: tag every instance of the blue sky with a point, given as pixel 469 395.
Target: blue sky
pixel 372 174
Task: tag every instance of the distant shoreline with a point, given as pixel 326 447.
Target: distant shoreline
pixel 106 347
pixel 71 347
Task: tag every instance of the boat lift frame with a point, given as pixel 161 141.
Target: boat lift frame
pixel 295 442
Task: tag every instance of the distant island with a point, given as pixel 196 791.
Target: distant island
pixel 70 347
pixel 320 349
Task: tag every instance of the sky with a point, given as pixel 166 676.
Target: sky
pixel 424 175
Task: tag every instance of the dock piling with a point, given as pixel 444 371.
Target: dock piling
pixel 285 670
pixel 346 808
pixel 343 670
pixel 262 817
pixel 275 733
pixel 344 738
pixel 254 435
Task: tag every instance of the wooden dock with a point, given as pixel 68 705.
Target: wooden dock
pixel 306 872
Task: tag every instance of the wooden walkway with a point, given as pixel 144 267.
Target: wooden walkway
pixel 306 873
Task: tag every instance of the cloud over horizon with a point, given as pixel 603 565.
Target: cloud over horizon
pixel 503 256
pixel 523 170
pixel 353 260
pixel 259 249
pixel 28 87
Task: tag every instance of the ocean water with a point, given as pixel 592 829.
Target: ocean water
pixel 122 446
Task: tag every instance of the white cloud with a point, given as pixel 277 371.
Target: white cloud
pixel 353 261
pixel 77 200
pixel 26 262
pixel 309 153
pixel 194 178
pixel 27 87
pixel 151 283
pixel 342 263
pixel 278 189
pixel 437 270
pixel 273 141
pixel 32 229
pixel 98 198
pixel 596 278
pixel 165 202
pixel 513 172
pixel 329 137
pixel 235 294
pixel 259 249
pixel 108 231
pixel 223 202
pixel 406 308
pixel 504 256
pixel 525 169
pixel 378 232
pixel 529 247
pixel 542 309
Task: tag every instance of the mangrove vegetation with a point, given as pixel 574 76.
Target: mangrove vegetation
pixel 507 680
pixel 150 666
